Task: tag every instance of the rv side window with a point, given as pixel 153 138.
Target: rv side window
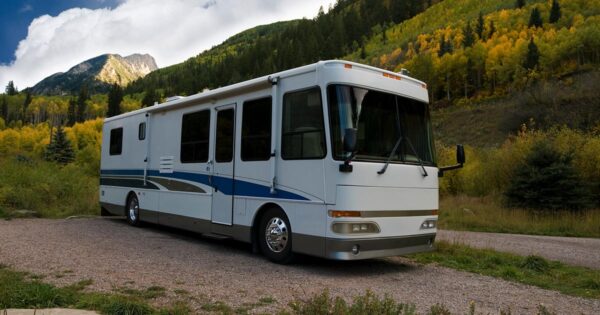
pixel 303 134
pixel 195 130
pixel 256 130
pixel 116 141
pixel 142 131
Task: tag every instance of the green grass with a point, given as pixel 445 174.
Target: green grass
pixel 51 190
pixel 486 215
pixel 22 290
pixel 532 270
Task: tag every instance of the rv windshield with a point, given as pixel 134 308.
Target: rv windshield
pixel 381 119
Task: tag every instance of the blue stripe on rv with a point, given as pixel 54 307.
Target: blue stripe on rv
pixel 242 188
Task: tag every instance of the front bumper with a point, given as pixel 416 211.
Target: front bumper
pixel 342 249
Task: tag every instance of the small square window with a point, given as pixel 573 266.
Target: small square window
pixel 116 141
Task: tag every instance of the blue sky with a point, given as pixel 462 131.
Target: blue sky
pixel 16 15
pixel 41 37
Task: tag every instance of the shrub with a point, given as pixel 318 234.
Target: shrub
pixel 547 181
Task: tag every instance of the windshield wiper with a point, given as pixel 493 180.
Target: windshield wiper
pixel 387 162
pixel 418 157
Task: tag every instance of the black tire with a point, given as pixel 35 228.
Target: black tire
pixel 278 247
pixel 132 210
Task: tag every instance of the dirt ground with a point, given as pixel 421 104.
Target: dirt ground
pixel 200 271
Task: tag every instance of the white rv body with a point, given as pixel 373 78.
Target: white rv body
pixel 227 198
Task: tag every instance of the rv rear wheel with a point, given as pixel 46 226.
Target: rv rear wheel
pixel 132 210
pixel 275 236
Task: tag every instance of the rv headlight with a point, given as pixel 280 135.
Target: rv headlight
pixel 429 224
pixel 355 228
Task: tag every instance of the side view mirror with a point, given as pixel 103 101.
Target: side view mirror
pixel 460 154
pixel 350 148
pixel 350 140
pixel 460 159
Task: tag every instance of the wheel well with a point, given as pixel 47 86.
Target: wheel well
pixel 256 221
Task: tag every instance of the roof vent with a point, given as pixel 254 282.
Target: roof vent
pixel 404 71
pixel 174 98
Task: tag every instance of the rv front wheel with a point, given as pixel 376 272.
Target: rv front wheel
pixel 132 212
pixel 275 236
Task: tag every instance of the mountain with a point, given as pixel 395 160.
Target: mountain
pixel 97 74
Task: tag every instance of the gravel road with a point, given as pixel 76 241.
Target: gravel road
pixel 570 250
pixel 115 256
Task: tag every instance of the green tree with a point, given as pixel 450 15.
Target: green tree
pixel 533 56
pixel 492 29
pixel 149 98
pixel 11 89
pixel 480 26
pixel 26 103
pixel 60 149
pixel 554 12
pixel 547 181
pixel 4 109
pixel 468 36
pixel 519 4
pixel 535 19
pixel 445 47
pixel 82 98
pixel 115 97
pixel 72 112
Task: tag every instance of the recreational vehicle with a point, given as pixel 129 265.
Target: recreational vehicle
pixel 333 159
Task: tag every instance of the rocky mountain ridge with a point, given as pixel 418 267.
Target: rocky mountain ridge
pixel 97 74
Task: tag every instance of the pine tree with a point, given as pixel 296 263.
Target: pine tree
pixel 554 12
pixel 547 181
pixel 60 149
pixel 480 26
pixel 28 100
pixel 11 89
pixel 533 56
pixel 492 29
pixel 81 103
pixel 115 96
pixel 519 4
pixel 4 109
pixel 72 113
pixel 149 98
pixel 535 19
pixel 445 47
pixel 468 36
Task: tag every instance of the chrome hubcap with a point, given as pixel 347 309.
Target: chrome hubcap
pixel 276 235
pixel 133 209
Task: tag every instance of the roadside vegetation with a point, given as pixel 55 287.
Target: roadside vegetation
pixel 531 270
pixel 487 214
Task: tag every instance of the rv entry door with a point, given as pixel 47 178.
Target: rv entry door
pixel 222 176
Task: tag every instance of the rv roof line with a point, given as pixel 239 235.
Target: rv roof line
pixel 253 83
pixel 173 98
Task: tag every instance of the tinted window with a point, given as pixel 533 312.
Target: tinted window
pixel 116 141
pixel 142 131
pixel 195 131
pixel 303 135
pixel 256 130
pixel 225 130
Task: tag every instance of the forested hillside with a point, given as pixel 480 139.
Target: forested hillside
pixel 466 48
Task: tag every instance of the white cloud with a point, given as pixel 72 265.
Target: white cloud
pixel 171 31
